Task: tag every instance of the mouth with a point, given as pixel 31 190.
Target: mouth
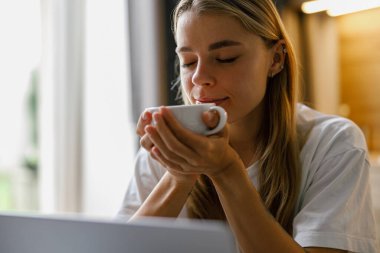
pixel 216 101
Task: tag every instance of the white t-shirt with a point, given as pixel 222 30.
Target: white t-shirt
pixel 334 208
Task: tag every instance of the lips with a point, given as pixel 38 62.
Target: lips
pixel 216 101
pixel 201 96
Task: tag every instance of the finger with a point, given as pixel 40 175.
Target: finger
pixel 144 120
pixel 170 140
pixel 155 152
pixel 211 118
pixel 154 156
pixel 146 142
pixel 173 167
pixel 157 142
pixel 224 133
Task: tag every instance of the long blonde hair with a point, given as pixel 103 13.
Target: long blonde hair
pixel 279 167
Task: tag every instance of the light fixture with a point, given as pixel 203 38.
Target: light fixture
pixel 339 7
pixel 315 6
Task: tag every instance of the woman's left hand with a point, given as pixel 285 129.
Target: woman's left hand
pixel 185 152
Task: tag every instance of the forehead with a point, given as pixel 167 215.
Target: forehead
pixel 195 27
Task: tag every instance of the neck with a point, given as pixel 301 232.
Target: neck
pixel 244 135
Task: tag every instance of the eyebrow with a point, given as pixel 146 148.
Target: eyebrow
pixel 213 46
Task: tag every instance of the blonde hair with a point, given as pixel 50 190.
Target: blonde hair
pixel 279 168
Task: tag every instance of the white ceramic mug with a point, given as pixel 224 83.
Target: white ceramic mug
pixel 190 116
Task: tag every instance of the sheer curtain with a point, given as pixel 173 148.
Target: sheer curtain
pixel 60 105
pixel 86 127
pixel 109 130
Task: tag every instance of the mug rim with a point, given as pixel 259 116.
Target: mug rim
pixel 177 106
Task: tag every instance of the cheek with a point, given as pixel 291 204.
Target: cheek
pixel 249 88
pixel 186 86
pixel 252 88
pixel 253 75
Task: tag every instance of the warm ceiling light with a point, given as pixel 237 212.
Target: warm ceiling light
pixel 315 6
pixel 339 7
pixel 353 6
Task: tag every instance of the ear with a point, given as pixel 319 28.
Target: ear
pixel 278 58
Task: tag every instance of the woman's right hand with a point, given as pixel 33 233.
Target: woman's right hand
pixel 145 142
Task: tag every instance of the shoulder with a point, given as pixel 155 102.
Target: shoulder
pixel 331 146
pixel 326 135
pixel 334 197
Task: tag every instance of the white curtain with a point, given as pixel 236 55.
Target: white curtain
pixel 86 126
pixel 109 130
pixel 60 105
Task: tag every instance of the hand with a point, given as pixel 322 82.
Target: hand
pixel 145 142
pixel 211 118
pixel 184 152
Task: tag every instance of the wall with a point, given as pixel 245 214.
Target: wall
pixel 359 38
pixel 323 66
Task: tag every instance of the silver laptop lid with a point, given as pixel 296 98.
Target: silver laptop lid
pixel 52 234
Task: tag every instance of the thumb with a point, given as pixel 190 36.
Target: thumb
pixel 211 118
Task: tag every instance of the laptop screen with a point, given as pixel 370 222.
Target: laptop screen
pixel 62 234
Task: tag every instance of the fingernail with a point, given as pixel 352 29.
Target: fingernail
pixel 144 117
pixel 155 151
pixel 156 116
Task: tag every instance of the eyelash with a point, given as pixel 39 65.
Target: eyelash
pixel 186 65
pixel 228 60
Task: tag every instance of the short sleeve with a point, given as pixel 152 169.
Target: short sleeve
pixel 147 174
pixel 335 209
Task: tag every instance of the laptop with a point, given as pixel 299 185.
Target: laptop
pixel 23 233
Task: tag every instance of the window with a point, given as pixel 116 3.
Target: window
pixel 20 50
pixel 67 134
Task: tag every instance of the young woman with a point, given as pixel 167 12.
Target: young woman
pixel 284 177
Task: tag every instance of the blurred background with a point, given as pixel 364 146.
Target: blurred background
pixel 75 75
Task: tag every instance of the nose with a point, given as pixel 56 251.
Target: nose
pixel 203 75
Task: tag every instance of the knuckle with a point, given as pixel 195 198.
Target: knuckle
pixel 146 143
pixel 139 132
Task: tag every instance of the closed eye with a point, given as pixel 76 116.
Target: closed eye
pixel 186 65
pixel 227 60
